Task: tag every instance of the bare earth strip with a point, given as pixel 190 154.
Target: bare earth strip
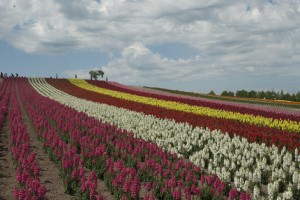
pixel 49 172
pixel 7 169
pixel 102 189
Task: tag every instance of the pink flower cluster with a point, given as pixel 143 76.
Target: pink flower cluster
pixel 5 89
pixel 28 171
pixel 125 180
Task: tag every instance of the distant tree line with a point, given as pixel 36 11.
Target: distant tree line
pixel 261 95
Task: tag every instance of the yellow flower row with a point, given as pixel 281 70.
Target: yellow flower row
pixel 246 118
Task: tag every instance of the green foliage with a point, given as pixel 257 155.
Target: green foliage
pixel 227 93
pixel 212 93
pixel 268 95
pixel 241 93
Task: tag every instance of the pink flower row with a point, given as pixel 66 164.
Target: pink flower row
pixel 4 99
pixel 28 171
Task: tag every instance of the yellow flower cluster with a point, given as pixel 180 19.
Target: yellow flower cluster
pixel 199 110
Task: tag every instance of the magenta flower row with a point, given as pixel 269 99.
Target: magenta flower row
pixel 28 171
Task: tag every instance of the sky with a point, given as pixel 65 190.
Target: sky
pixel 191 45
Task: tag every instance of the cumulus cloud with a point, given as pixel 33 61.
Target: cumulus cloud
pixel 138 64
pixel 256 37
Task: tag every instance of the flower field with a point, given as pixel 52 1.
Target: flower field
pixel 147 145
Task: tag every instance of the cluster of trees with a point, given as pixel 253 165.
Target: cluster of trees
pixel 262 95
pixel 95 73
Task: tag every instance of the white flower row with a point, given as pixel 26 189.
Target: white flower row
pixel 250 166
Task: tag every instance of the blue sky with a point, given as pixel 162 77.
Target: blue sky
pixel 192 45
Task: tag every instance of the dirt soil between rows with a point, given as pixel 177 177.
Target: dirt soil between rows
pixel 7 170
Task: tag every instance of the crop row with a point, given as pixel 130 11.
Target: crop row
pixel 4 99
pixel 27 169
pixel 234 107
pixel 251 166
pixel 253 133
pixel 280 124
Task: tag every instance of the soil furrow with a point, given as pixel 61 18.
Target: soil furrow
pixel 7 169
pixel 49 172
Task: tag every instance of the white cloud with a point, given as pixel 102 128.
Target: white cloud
pixel 258 37
pixel 138 64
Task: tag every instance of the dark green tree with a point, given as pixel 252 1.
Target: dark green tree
pixel 95 73
pixel 298 96
pixel 100 73
pixel 261 95
pixel 252 94
pixel 227 93
pixel 212 93
pixel 241 93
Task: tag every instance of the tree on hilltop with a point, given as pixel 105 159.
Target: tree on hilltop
pixel 227 93
pixel 212 93
pixel 95 73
